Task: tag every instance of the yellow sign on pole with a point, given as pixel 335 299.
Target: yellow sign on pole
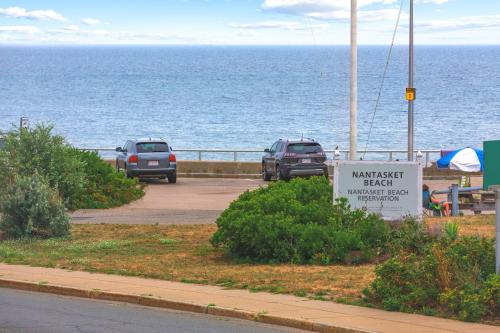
pixel 410 94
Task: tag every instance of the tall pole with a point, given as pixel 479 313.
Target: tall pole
pixel 354 81
pixel 410 85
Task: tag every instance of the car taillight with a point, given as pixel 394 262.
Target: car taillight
pixel 132 159
pixel 172 158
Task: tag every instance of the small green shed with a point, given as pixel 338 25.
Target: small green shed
pixel 491 163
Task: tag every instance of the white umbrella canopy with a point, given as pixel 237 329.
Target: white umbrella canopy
pixel 466 159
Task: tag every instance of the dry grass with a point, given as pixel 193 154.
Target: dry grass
pixel 183 253
pixel 480 225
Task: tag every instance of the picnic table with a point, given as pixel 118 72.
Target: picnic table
pixel 477 201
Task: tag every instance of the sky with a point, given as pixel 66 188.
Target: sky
pixel 244 22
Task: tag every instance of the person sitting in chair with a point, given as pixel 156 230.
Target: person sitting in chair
pixel 431 202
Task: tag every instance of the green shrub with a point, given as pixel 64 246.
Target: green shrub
pixel 410 237
pixel 30 208
pixel 82 179
pixel 453 276
pixel 104 187
pixel 297 221
pixel 451 230
pixel 27 152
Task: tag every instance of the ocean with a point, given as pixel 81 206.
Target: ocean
pixel 249 96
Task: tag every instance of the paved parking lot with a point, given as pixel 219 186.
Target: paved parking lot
pixel 190 201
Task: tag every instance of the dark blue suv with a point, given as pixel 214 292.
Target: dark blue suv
pixel 287 158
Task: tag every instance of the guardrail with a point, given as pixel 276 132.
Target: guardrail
pixel 388 155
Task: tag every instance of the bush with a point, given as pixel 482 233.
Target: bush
pixel 31 208
pixel 410 237
pixel 104 187
pixel 297 222
pixel 82 179
pixel 27 152
pixel 454 276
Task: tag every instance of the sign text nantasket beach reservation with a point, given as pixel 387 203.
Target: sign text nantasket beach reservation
pixel 391 189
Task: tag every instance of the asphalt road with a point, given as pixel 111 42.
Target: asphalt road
pixel 29 312
pixel 189 201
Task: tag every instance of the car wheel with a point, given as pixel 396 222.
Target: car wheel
pixel 127 174
pixel 279 174
pixel 172 179
pixel 117 167
pixel 265 176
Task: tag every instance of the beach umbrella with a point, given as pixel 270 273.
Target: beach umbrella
pixel 465 159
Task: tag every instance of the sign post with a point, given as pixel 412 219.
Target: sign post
pixel 392 190
pixel 491 181
pixel 497 240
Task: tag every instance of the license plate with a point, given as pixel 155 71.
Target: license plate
pixel 306 160
pixel 153 163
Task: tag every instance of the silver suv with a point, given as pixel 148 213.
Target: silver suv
pixel 151 157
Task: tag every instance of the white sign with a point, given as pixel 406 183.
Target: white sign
pixel 24 122
pixel 392 190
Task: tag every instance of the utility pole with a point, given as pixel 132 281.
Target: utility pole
pixel 410 91
pixel 354 81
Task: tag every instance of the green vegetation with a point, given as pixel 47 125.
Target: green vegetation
pixel 297 222
pixel 45 176
pixel 453 276
pixel 451 230
pixel 37 151
pixel 82 179
pixel 103 187
pixel 32 209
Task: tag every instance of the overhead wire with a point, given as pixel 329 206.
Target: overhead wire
pixel 315 43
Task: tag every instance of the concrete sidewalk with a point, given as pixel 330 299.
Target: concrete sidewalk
pixel 283 310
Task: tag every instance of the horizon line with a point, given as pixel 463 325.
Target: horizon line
pixel 224 45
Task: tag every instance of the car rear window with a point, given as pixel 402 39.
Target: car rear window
pixel 304 148
pixel 152 147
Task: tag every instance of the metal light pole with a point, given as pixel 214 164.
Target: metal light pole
pixel 410 97
pixel 354 81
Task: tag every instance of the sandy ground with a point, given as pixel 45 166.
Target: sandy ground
pixel 190 201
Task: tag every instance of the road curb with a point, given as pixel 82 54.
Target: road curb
pixel 176 305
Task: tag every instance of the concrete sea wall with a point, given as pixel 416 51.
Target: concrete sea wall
pixel 230 169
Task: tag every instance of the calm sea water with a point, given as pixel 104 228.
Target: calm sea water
pixel 246 97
